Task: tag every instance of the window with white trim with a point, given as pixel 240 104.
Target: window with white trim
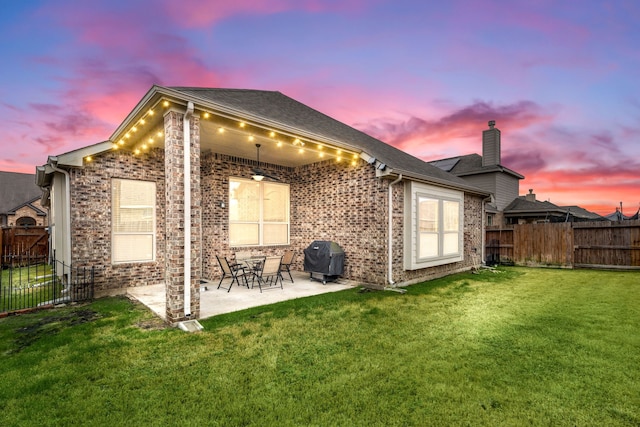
pixel 433 226
pixel 133 219
pixel 258 213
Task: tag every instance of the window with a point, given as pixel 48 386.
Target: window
pixel 434 226
pixel 258 213
pixel 133 220
pixel 25 221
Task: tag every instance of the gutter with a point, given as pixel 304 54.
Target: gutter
pixel 390 233
pixel 186 136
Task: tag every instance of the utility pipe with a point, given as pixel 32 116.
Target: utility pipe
pixel 186 136
pixel 390 241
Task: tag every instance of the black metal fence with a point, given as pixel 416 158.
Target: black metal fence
pixel 30 281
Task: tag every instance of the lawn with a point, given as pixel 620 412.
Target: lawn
pixel 24 287
pixel 517 347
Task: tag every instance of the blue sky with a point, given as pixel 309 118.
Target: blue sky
pixel 559 78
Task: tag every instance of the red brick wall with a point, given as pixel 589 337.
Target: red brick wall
pixel 91 218
pixel 329 201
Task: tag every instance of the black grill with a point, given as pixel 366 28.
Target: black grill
pixel 325 259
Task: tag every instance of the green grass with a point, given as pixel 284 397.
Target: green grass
pixel 20 276
pixel 26 287
pixel 520 347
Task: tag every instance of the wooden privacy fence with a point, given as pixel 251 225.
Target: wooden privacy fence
pixel 30 241
pixel 601 244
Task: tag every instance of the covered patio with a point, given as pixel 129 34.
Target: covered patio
pixel 218 301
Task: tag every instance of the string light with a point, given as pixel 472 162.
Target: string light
pixel 321 149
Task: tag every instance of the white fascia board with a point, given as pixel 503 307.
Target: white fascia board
pixel 75 158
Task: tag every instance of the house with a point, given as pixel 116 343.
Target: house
pixel 20 200
pixel 257 171
pixel 488 173
pixel 527 210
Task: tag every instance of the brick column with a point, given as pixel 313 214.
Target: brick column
pixel 174 173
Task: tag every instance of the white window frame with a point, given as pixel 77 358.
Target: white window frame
pixel 147 255
pixel 261 221
pixel 414 192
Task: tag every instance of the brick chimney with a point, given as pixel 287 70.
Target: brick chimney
pixel 491 145
pixel 531 197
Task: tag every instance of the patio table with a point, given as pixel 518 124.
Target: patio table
pixel 254 264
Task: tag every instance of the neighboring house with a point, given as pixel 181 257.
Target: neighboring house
pixel 487 172
pixel 125 207
pixel 20 200
pixel 619 216
pixel 527 210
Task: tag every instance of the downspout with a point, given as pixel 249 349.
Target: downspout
pixel 390 241
pixel 67 213
pixel 483 260
pixel 187 208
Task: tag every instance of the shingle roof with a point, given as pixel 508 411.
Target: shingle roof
pixel 16 189
pixel 470 164
pixel 277 107
pixel 521 204
pixel 579 212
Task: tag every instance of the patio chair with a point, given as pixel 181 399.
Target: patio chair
pixel 285 265
pixel 235 271
pixel 269 273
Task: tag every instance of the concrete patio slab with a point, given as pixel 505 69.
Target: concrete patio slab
pixel 218 301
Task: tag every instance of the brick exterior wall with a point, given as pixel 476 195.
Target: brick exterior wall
pixel 329 201
pixel 91 219
pixel 175 198
pixel 472 240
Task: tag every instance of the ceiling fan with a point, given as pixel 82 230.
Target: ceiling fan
pixel 259 174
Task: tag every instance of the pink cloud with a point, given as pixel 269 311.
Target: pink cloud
pixel 200 14
pixel 429 138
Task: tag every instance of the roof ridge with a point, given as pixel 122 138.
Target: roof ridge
pixel 200 88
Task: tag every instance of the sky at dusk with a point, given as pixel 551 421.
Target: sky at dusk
pixel 560 78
